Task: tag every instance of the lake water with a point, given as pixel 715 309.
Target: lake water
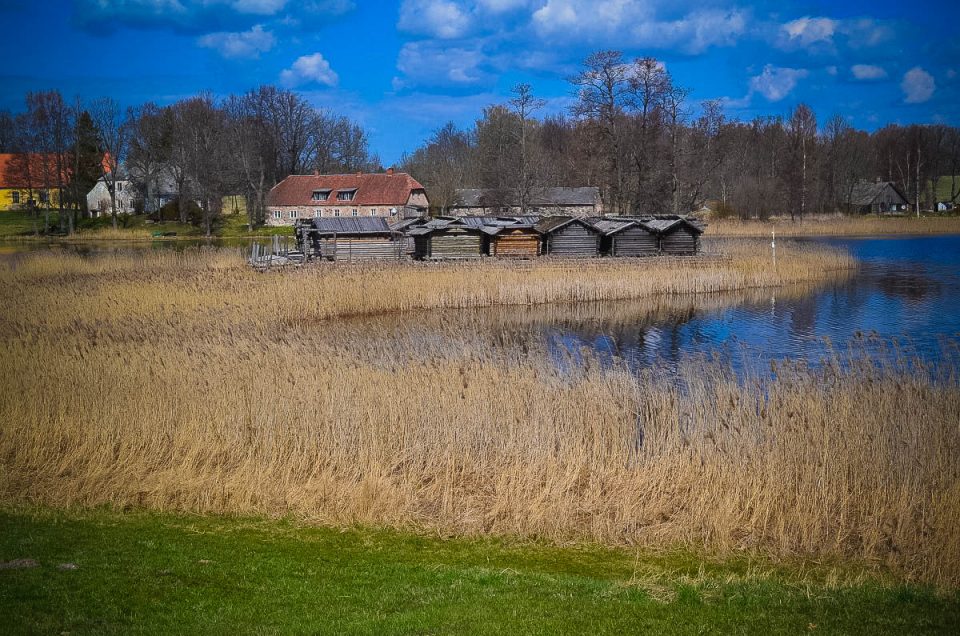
pixel 906 293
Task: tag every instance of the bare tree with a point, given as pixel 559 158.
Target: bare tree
pixel 113 128
pixel 603 91
pixel 524 105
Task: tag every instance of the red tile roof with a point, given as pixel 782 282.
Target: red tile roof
pixel 26 170
pixel 371 189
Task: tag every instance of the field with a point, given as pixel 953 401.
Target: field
pixel 834 225
pixel 161 573
pixel 18 226
pixel 185 382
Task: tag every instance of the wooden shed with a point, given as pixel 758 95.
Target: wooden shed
pixel 349 239
pixel 447 239
pixel 881 197
pixel 678 236
pixel 570 237
pixel 513 241
pixel 627 238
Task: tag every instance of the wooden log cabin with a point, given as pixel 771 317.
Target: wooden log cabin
pixel 569 237
pixel 513 241
pixel 349 239
pixel 627 238
pixel 678 236
pixel 447 239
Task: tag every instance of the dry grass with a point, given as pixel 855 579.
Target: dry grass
pixel 835 226
pixel 184 381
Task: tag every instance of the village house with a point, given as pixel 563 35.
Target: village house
pixel 29 180
pixel 881 197
pixel 577 202
pixel 392 195
pixel 98 199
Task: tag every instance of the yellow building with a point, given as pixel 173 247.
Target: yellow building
pixel 28 179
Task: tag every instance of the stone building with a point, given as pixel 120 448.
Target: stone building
pixel 577 202
pixel 393 195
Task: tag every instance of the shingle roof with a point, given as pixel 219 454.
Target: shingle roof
pixel 371 189
pixel 866 193
pixel 553 223
pixel 27 170
pixel 352 225
pixel 542 197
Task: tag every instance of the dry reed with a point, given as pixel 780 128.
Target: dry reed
pixel 183 381
pixel 835 226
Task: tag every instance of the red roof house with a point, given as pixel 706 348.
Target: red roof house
pixel 389 194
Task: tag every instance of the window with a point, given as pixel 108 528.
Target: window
pixel 317 213
pixel 44 196
pixel 336 213
pixel 345 195
pixel 393 211
pixel 277 214
pixel 354 212
pixel 373 211
pixel 119 187
pixel 16 197
pixel 294 214
pixel 320 195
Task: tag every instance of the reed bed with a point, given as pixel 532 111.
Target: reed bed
pixel 183 381
pixel 834 225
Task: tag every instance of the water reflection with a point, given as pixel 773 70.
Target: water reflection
pixel 905 299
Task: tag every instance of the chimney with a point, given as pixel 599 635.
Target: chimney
pixel 390 172
pixel 316 173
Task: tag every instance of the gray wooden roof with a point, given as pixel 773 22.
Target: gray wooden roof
pixel 539 197
pixel 352 225
pixel 550 224
pixel 866 193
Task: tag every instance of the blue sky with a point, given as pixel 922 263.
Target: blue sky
pixel 403 69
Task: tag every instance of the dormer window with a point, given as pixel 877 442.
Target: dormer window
pixel 346 195
pixel 320 195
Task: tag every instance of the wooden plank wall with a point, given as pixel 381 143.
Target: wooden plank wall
pixel 680 242
pixel 574 240
pixel 635 241
pixel 516 244
pixel 361 249
pixel 455 244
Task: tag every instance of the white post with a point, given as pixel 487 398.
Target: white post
pixel 773 247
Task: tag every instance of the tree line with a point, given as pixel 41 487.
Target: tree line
pixel 633 132
pixel 207 148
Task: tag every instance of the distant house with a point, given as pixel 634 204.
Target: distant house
pixel 392 195
pixel 579 202
pixel 881 197
pixel 98 199
pixel 29 180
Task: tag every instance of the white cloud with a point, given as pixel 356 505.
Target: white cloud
pixel 918 86
pixel 239 45
pixel 309 69
pixel 776 82
pixel 633 23
pixel 436 18
pixel 558 17
pixel 832 70
pixel 806 30
pixel 259 7
pixel 435 64
pixel 868 72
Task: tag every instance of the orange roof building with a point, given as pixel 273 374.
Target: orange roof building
pixel 29 179
pixel 389 194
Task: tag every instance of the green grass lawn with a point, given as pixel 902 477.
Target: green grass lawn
pixel 153 573
pixel 18 224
